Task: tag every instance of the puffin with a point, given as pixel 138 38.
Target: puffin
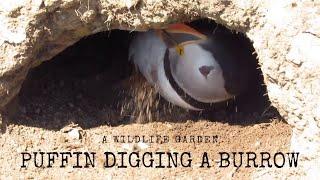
pixel 191 68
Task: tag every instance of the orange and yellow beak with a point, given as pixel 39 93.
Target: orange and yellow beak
pixel 184 29
pixel 180 34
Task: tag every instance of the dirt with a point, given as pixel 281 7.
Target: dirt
pixel 270 137
pixel 79 90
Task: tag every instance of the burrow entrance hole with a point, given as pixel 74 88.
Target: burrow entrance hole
pixel 92 83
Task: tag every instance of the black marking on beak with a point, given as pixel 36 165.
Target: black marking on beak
pixel 168 39
pixel 173 39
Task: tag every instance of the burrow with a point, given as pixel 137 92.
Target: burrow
pixel 92 83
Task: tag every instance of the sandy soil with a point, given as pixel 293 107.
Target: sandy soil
pixel 269 137
pixel 74 101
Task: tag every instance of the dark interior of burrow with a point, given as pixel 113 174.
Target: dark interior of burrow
pixel 89 83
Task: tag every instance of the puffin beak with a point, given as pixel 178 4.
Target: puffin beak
pixel 184 29
pixel 179 34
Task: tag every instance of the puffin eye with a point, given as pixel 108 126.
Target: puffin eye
pixel 180 50
pixel 205 70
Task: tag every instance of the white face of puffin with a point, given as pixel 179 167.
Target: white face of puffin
pixel 193 68
pixel 198 73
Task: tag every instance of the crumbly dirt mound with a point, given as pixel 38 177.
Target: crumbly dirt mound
pixel 285 36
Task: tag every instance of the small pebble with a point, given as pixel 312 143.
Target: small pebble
pixel 74 134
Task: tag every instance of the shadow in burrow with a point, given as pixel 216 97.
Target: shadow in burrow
pixel 90 84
